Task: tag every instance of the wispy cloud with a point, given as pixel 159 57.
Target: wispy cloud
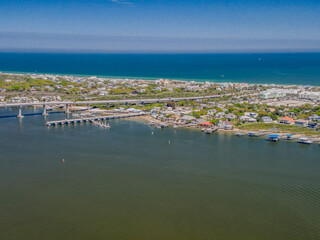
pixel 120 2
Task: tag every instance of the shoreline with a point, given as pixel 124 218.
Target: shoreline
pixel 212 80
pixel 243 132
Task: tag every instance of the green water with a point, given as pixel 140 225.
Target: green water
pixel 127 183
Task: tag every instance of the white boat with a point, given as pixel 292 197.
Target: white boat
pixel 304 141
pixel 151 123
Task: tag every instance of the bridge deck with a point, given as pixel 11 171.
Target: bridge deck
pixel 132 101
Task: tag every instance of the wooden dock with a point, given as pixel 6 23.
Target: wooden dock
pixel 92 119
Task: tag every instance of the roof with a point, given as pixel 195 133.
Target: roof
pixel 287 118
pixel 187 117
pixel 206 123
pixel 301 120
pixel 201 120
pixel 273 136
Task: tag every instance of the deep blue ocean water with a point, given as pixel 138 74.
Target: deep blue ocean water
pixel 278 68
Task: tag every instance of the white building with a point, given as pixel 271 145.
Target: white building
pixel 310 95
pixel 278 93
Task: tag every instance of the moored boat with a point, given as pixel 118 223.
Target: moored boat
pixel 304 141
pixel 151 123
pixel 252 134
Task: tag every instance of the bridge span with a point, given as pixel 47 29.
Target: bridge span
pixel 88 103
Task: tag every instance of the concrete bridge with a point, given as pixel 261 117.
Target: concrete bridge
pixel 91 119
pixel 88 103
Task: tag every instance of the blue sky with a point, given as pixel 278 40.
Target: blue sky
pixel 160 26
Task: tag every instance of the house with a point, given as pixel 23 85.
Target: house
pixel 312 125
pixel 251 114
pixel 231 116
pixel 200 121
pixel 226 125
pixel 266 119
pixel 206 124
pixel 301 123
pixel 219 115
pixel 211 112
pixel 186 119
pixel 247 119
pixel 314 117
pixel 286 120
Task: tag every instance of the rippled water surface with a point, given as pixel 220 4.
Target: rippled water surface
pixel 127 183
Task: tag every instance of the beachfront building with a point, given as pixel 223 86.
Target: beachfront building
pixel 247 119
pixel 206 124
pixel 286 120
pixel 310 95
pixel 301 123
pixel 266 119
pixel 278 93
pixel 186 119
pixel 314 117
pixel 226 125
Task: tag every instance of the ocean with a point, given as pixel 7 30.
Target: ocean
pixel 277 68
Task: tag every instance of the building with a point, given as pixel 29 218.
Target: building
pixel 314 117
pixel 226 125
pixel 231 116
pixel 286 120
pixel 247 119
pixel 266 119
pixel 278 93
pixel 206 124
pixel 310 95
pixel 187 118
pixel 301 123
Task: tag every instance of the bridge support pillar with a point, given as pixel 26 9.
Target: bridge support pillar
pixel 44 113
pixel 67 108
pixel 20 113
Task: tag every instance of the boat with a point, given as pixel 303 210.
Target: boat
pixel 210 130
pixel 273 138
pixel 304 141
pixel 253 134
pixel 175 126
pixel 151 123
pixel 289 137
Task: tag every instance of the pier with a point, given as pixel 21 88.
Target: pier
pixel 92 119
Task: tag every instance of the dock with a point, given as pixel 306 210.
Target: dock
pixel 91 119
